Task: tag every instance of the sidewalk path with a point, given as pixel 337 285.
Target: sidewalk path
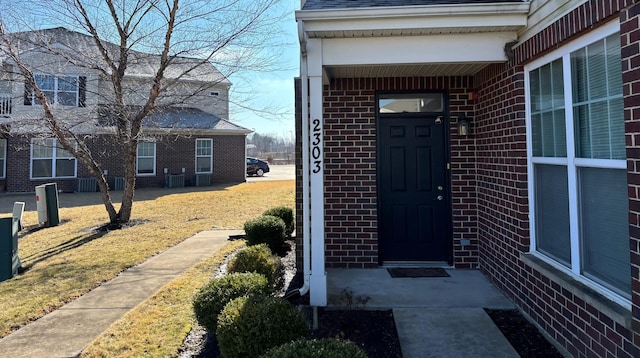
pixel 68 330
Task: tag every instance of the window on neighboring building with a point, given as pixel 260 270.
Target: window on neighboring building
pixel 50 160
pixel 3 158
pixel 204 155
pixel 577 159
pixel 146 158
pixel 62 90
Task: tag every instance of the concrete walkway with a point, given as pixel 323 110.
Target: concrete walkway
pixel 68 330
pixel 434 316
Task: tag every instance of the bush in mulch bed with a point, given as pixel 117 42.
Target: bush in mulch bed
pixel 316 348
pixel 211 299
pixel 250 326
pixel 259 259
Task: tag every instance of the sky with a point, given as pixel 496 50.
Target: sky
pixel 274 89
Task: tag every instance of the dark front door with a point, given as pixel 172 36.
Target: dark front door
pixel 413 194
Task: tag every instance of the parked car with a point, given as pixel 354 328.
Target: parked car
pixel 257 167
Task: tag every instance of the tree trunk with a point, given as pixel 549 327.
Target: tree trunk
pixel 130 149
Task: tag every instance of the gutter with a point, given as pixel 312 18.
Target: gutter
pixel 414 11
pixel 306 207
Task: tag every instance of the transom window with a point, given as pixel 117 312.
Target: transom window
pixel 3 157
pixel 146 159
pixel 204 155
pixel 50 160
pixel 577 161
pixel 410 102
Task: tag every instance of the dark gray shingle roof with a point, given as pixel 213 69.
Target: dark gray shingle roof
pixel 345 4
pixel 188 118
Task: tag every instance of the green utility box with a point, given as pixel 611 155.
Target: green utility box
pixel 9 261
pixel 47 204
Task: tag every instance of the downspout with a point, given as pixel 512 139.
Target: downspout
pixel 306 207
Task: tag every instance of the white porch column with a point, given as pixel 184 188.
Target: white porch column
pixel 318 280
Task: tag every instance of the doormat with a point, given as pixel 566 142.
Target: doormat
pixel 417 272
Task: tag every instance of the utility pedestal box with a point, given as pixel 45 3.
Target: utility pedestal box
pixel 47 204
pixel 9 261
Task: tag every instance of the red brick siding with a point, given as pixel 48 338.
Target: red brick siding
pixel 350 169
pixel 172 152
pixel 579 327
pixel 630 49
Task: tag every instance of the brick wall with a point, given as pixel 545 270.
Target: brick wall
pixel 630 49
pixel 579 325
pixel 350 169
pixel 172 152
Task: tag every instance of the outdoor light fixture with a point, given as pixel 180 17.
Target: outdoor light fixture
pixel 464 126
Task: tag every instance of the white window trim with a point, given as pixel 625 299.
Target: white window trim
pixel 571 162
pixel 210 156
pixel 4 158
pixel 54 157
pixel 55 90
pixel 155 155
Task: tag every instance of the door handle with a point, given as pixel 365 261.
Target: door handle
pixel 439 197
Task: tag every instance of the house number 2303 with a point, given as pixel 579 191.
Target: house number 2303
pixel 315 149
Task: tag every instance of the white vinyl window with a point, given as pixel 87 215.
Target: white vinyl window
pixel 577 162
pixel 204 155
pixel 146 159
pixel 63 90
pixel 50 160
pixel 3 158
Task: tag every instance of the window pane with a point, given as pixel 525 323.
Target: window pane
pixel 597 100
pixel 547 111
pixel 597 70
pixel 65 167
pixel 145 165
pixel 203 165
pixel 41 168
pixel 43 148
pixel 411 102
pixel 146 149
pixel 67 98
pixel 605 227
pixel 2 175
pixel 203 147
pixel 552 212
pixel 67 84
pixel 45 82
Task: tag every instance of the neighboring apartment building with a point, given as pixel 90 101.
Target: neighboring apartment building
pixel 480 134
pixel 186 140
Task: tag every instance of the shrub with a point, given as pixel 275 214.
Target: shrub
pixel 320 348
pixel 259 259
pixel 284 213
pixel 211 299
pixel 249 326
pixel 265 229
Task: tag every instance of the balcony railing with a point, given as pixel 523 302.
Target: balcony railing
pixel 5 104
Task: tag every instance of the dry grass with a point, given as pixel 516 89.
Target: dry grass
pixel 157 326
pixel 68 260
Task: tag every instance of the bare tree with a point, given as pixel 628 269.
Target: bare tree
pixel 174 41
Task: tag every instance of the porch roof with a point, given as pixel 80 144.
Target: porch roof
pixel 370 38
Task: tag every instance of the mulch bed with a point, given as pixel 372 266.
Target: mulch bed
pixel 523 336
pixel 375 331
